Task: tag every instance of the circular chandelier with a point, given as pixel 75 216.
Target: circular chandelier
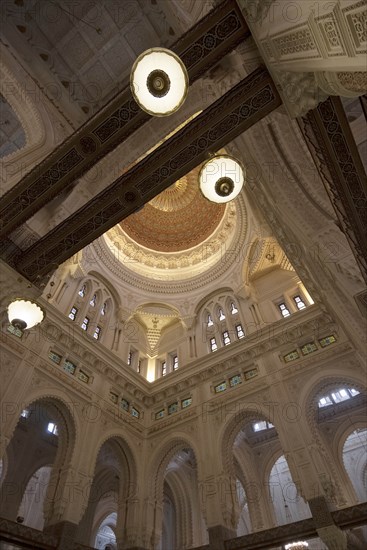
pixel 159 82
pixel 24 314
pixel 221 178
pixel 300 545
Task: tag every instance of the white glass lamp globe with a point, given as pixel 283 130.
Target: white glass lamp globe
pixel 159 82
pixel 221 178
pixel 24 314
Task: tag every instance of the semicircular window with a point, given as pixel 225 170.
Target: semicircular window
pixel 12 136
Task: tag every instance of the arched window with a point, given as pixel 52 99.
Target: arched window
pixel 355 461
pixel 221 315
pixel 104 309
pixel 92 302
pixel 234 309
pixel 82 291
pixel 289 506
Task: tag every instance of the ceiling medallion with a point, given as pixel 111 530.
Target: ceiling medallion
pixel 159 82
pixel 24 314
pixel 221 178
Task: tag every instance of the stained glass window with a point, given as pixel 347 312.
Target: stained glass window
pixel 250 374
pixel 69 366
pixel 284 310
pixel 83 377
pixel 310 347
pixel 73 312
pixel 85 323
pixel 291 356
pixel 226 338
pixel 299 302
pixel 327 340
pixel 55 357
pixel 173 407
pixel 235 380
pixel 220 387
pixel 213 344
pixel 125 404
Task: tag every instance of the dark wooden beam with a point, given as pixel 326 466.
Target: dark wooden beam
pixel 253 98
pixel 336 155
pixel 218 33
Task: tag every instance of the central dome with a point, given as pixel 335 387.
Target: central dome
pixel 177 219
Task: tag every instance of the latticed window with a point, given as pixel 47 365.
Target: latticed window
pixel 82 291
pixel 284 310
pixel 226 338
pixel 213 344
pixel 85 323
pixel 73 313
pixel 299 302
pixel 163 368
pixel 240 332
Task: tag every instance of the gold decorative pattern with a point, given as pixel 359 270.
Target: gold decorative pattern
pixel 177 219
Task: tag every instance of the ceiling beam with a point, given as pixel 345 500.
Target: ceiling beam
pixel 335 152
pixel 249 101
pixel 218 33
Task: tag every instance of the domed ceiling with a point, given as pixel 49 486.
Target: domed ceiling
pixel 178 219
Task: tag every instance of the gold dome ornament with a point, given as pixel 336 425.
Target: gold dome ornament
pixel 159 82
pixel 24 314
pixel 221 178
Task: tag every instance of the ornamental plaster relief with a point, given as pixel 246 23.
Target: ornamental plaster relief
pixel 326 38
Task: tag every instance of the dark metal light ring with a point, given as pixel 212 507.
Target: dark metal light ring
pixel 224 186
pixel 158 83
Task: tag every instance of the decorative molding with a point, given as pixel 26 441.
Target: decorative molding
pixel 332 144
pixel 244 105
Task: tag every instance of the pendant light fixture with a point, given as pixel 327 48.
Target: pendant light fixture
pixel 24 314
pixel 221 178
pixel 159 82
